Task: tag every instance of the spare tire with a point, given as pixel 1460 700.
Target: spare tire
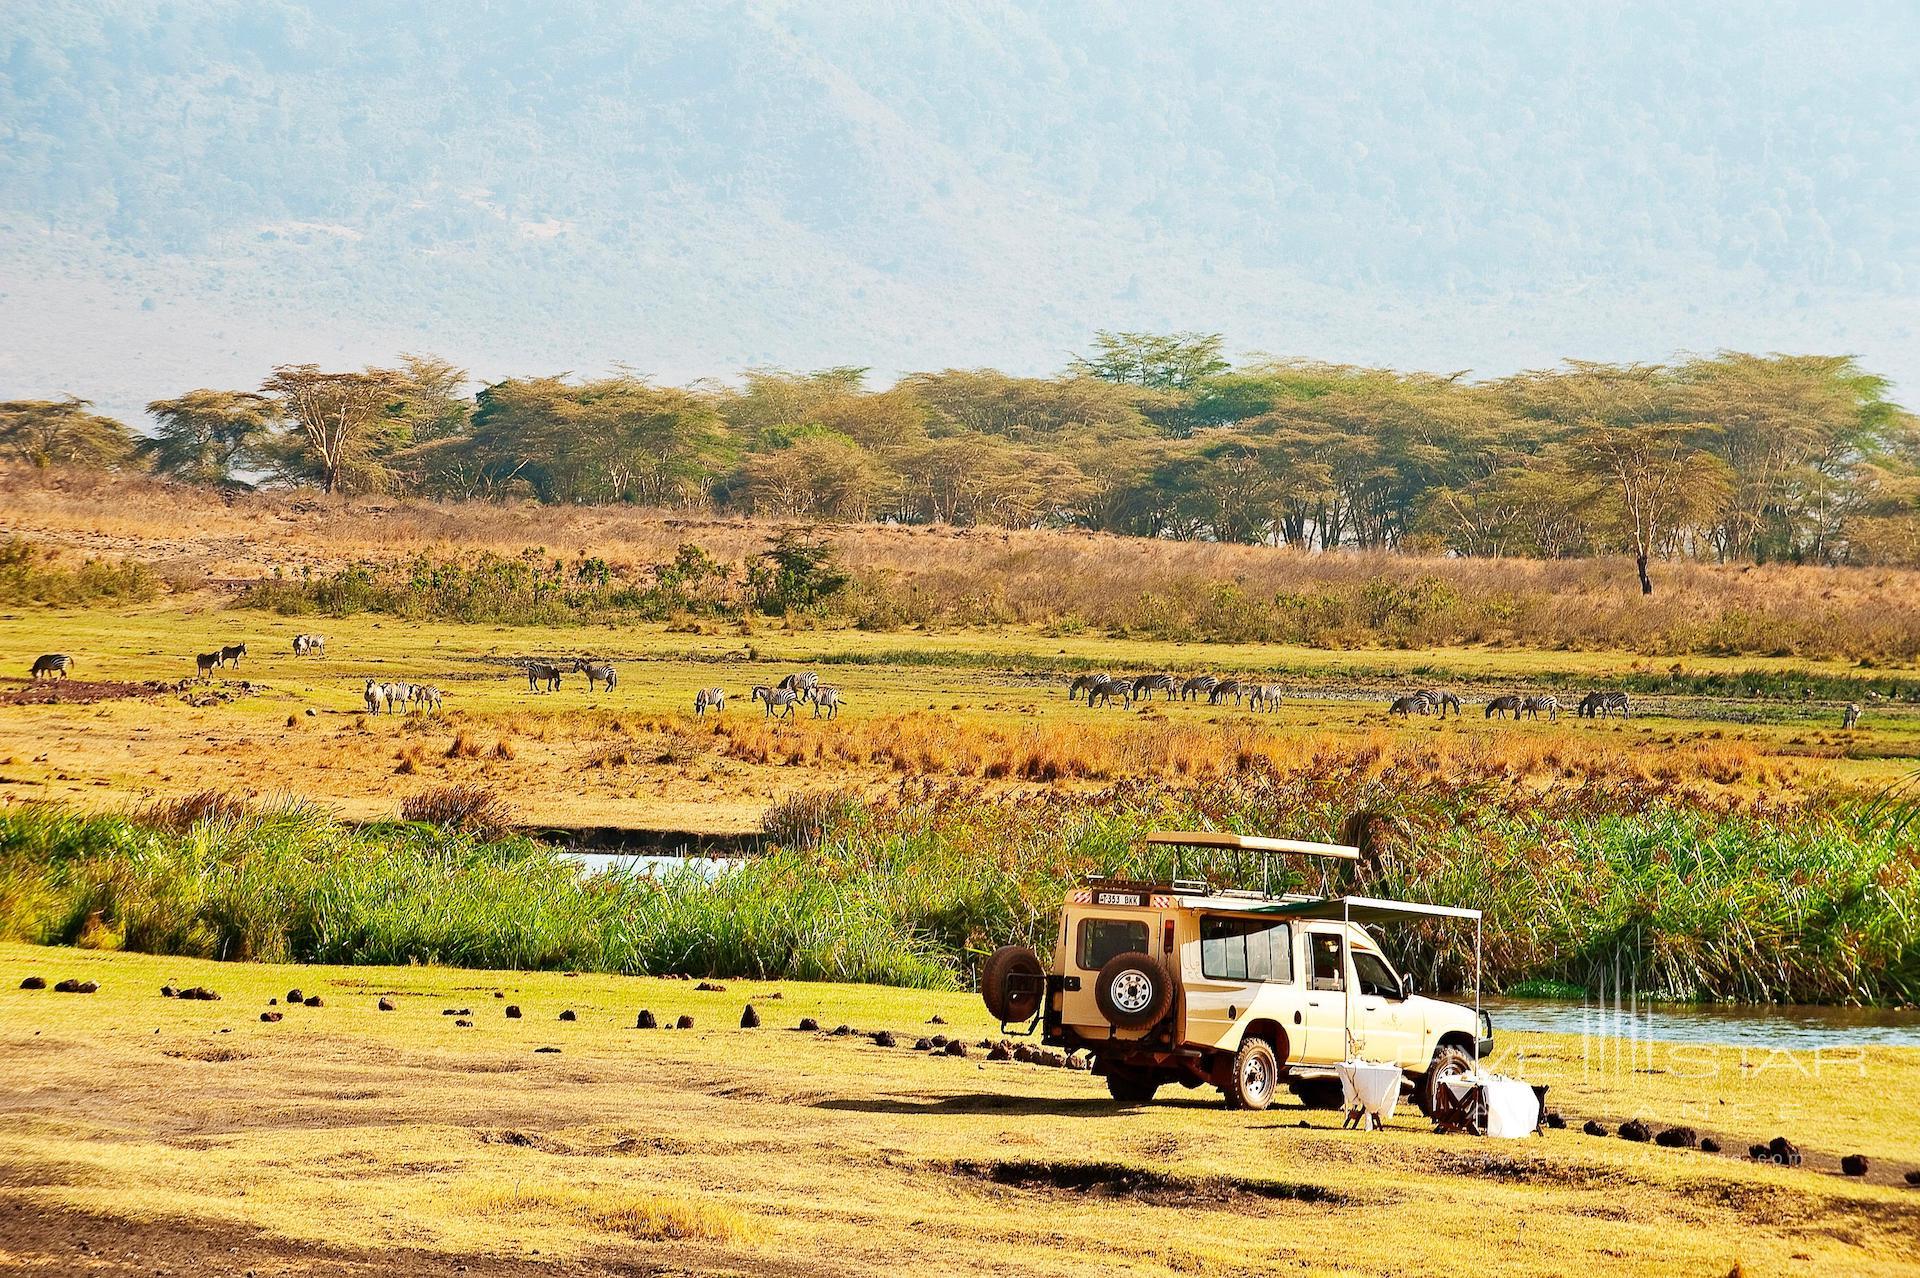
pixel 1133 990
pixel 1005 1004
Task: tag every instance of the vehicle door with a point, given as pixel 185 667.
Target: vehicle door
pixel 1382 1027
pixel 1240 967
pixel 1093 940
pixel 1324 964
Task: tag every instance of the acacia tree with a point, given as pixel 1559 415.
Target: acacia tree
pixel 61 432
pixel 344 422
pixel 204 436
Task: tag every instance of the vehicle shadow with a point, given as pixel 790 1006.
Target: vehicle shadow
pixel 995 1103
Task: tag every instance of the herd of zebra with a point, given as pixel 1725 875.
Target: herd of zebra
pixel 396 697
pixel 1106 689
pixel 782 698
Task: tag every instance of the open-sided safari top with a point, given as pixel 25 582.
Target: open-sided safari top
pixel 1180 982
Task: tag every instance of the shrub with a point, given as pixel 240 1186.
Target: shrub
pixel 470 809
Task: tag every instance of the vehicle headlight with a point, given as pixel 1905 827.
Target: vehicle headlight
pixel 1486 1025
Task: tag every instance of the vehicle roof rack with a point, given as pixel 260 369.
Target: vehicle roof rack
pixel 1253 843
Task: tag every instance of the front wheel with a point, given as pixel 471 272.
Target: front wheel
pixel 1132 1089
pixel 1448 1062
pixel 1255 1077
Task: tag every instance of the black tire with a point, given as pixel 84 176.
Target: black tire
pixel 1447 1060
pixel 1256 1075
pixel 1010 1006
pixel 1133 990
pixel 1129 1088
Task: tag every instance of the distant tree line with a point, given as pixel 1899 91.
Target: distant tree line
pixel 1733 457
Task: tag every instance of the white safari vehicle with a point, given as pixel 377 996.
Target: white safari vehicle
pixel 1178 982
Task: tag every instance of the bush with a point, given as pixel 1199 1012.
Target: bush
pixel 468 809
pixel 29 575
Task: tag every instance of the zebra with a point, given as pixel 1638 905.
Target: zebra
pixel 429 697
pixel 1107 689
pixel 824 697
pixel 1408 706
pixel 539 672
pixel 233 652
pixel 1263 696
pixel 52 663
pixel 376 695
pixel 1440 699
pixel 1501 705
pixel 1086 683
pixel 1850 717
pixel 1534 705
pixel 1218 694
pixel 309 645
pixel 596 670
pixel 798 683
pixel 1598 705
pixel 1197 687
pixel 781 699
pixel 709 699
pixel 205 664
pixel 1146 685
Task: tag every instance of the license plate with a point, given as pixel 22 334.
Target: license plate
pixel 1118 898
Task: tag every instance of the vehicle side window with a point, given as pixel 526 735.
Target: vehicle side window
pixel 1245 949
pixel 1102 940
pixel 1374 976
pixel 1327 967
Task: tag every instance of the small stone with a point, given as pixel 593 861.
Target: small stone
pixel 463 1022
pixel 295 996
pixel 386 1005
pixel 1677 1138
pixel 1592 1128
pixel 1708 1145
pixel 884 1038
pixel 749 1019
pixel 956 1048
pixel 1636 1131
pixel 40 983
pixel 1854 1165
pixel 513 1011
pixel 568 1015
pixel 999 1052
pixel 685 1022
pixel 711 987
pixel 271 1017
pixel 808 1023
pixel 314 1000
pixel 646 1020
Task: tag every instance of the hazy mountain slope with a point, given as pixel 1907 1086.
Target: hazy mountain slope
pixel 194 189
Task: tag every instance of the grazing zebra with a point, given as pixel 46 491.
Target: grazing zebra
pixel 1850 717
pixel 781 699
pixel 1224 689
pixel 798 683
pixel 709 699
pixel 233 652
pixel 1440 699
pixel 1534 705
pixel 1263 696
pixel 45 667
pixel 1501 705
pixel 827 698
pixel 1598 705
pixel 1107 689
pixel 595 670
pixel 1146 685
pixel 1086 683
pixel 543 672
pixel 1407 707
pixel 206 663
pixel 1197 687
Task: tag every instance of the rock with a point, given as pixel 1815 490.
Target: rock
pixel 999 1052
pixel 568 1015
pixel 711 987
pixel 1555 1119
pixel 314 1000
pixel 684 1022
pixel 842 1031
pixel 271 1017
pixel 166 991
pixel 884 1038
pixel 1708 1145
pixel 939 1040
pixel 923 1045
pixel 513 1011
pixel 386 1005
pixel 808 1023
pixel 936 1019
pixel 749 1019
pixel 40 983
pixel 1913 1178
pixel 646 1020
pixel 546 1049
pixel 463 1022
pixel 1636 1131
pixel 1854 1165
pixel 1592 1128
pixel 295 996
pixel 1783 1151
pixel 956 1048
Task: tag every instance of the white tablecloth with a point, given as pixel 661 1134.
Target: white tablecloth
pixel 1370 1086
pixel 1513 1110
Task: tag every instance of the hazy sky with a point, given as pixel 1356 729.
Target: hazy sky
pixel 192 191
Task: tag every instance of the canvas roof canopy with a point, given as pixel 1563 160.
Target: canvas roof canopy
pixel 1252 843
pixel 1365 909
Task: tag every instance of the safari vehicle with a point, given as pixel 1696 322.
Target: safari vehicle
pixel 1181 982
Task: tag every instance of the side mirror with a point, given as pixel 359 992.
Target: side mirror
pixel 1407 988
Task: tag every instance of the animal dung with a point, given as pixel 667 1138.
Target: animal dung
pixel 166 991
pixel 1592 1128
pixel 1708 1145
pixel 711 987
pixel 314 1000
pixel 646 1020
pixel 1854 1165
pixel 1783 1151
pixel 841 1031
pixel 463 1022
pixel 936 1019
pixel 955 1048
pixel 40 983
pixel 1079 1062
pixel 386 1005
pixel 498 994
pixel 999 1052
pixel 546 1049
pixel 685 1022
pixel 568 1015
pixel 939 1040
pixel 199 994
pixel 72 986
pixel 1913 1178
pixel 273 1002
pixel 883 1038
pixel 513 1011
pixel 749 1019
pixel 295 996
pixel 271 1017
pixel 1635 1130
pixel 923 1045
pixel 1677 1138
pixel 1555 1119
pixel 808 1023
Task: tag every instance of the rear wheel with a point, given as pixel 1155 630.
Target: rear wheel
pixel 1256 1075
pixel 1133 991
pixel 1008 1004
pixel 1131 1088
pixel 1448 1061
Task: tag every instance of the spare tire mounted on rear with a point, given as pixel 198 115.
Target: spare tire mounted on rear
pixel 1133 990
pixel 1011 1001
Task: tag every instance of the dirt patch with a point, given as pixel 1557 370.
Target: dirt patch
pixel 212 1054
pixel 1117 1180
pixel 81 692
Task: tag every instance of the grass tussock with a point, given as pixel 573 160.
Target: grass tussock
pixel 652 1217
pixel 470 809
